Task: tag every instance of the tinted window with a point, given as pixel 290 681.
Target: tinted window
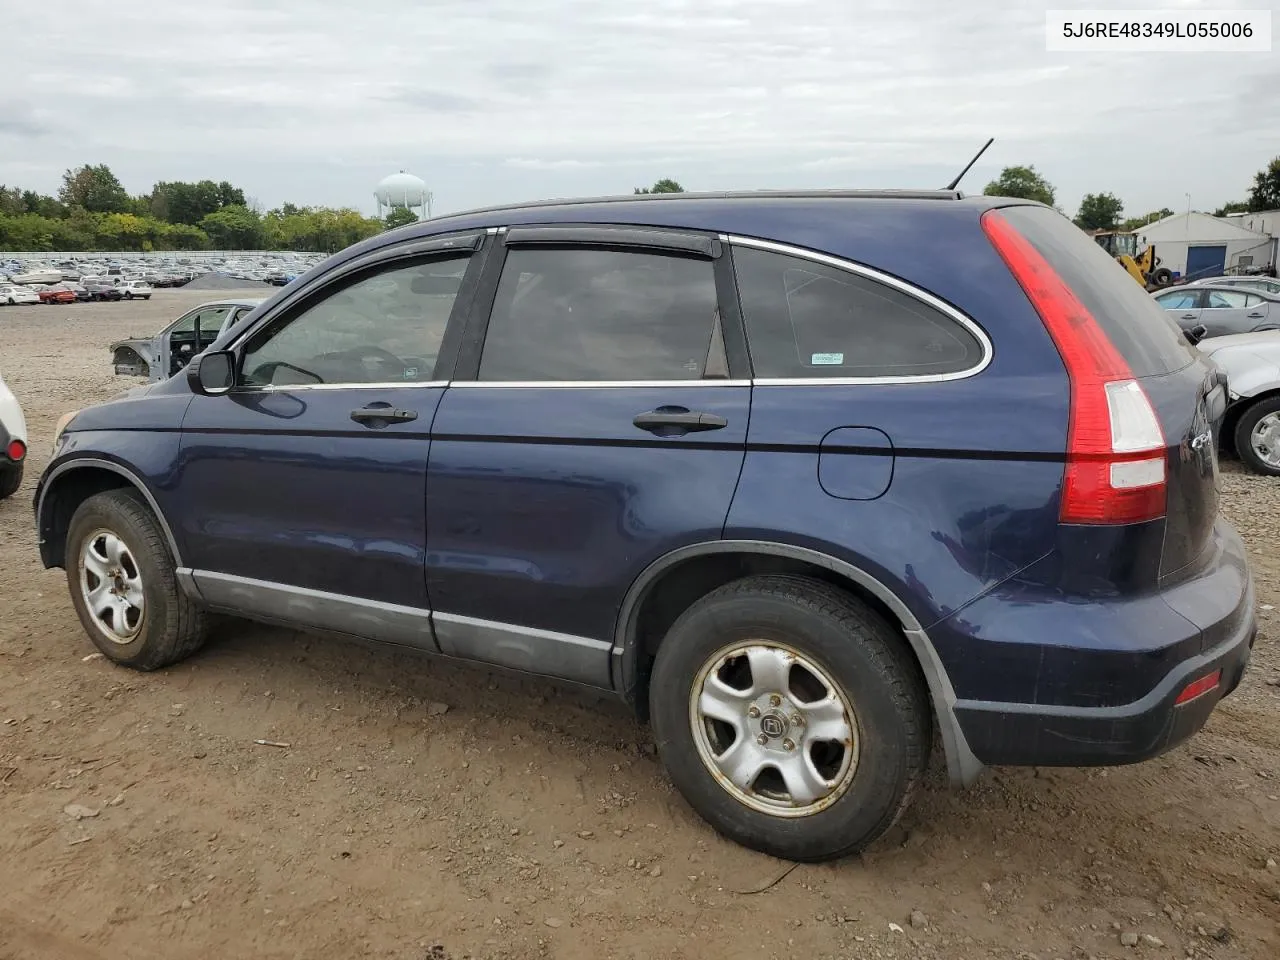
pixel 1179 300
pixel 577 314
pixel 805 319
pixel 384 328
pixel 1145 335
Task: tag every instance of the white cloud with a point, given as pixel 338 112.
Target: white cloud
pixel 494 100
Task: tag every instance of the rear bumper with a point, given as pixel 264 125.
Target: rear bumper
pixel 1220 603
pixel 1028 734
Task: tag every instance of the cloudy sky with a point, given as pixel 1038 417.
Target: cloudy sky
pixel 490 101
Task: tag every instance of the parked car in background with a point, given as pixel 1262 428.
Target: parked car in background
pixel 13 442
pixel 1251 426
pixel 801 476
pixel 13 295
pixel 164 354
pixel 81 293
pixel 135 289
pixel 101 290
pixel 52 294
pixel 1220 310
pixel 1249 282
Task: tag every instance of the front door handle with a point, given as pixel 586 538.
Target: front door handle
pixel 676 421
pixel 378 415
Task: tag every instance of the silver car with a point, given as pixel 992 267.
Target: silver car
pixel 1248 282
pixel 1251 424
pixel 161 356
pixel 1221 310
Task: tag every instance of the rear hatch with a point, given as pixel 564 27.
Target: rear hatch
pixel 1184 388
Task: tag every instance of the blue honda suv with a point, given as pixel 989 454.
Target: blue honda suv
pixel 805 477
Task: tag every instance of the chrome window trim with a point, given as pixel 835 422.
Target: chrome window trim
pixel 295 388
pixel 580 384
pixel 902 286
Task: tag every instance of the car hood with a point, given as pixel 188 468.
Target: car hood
pixel 1264 343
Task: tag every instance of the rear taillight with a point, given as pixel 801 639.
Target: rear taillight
pixel 1115 470
pixel 16 450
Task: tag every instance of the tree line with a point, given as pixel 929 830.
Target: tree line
pixel 1105 211
pixel 93 211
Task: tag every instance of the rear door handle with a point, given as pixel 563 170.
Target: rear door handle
pixel 675 421
pixel 378 415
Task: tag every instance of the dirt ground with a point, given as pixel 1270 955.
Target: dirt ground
pixel 528 821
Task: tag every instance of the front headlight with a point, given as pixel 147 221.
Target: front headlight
pixel 61 426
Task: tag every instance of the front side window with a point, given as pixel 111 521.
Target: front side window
pixel 599 315
pixel 1179 300
pixel 383 328
pixel 810 320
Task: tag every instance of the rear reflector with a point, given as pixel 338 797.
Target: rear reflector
pixel 16 450
pixel 1115 470
pixel 1198 688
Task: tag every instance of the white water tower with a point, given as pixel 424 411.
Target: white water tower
pixel 403 191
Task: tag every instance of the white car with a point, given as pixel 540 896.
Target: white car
pixel 135 289
pixel 1251 424
pixel 14 295
pixel 13 442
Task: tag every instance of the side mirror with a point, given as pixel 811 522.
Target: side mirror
pixel 211 374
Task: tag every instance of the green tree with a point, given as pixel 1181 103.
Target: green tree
pixel 95 188
pixel 1099 211
pixel 233 228
pixel 1265 194
pixel 399 217
pixel 1235 206
pixel 665 185
pixel 1021 182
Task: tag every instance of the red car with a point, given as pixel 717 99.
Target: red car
pixel 55 295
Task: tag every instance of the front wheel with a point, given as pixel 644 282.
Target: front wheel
pixel 123 585
pixel 790 716
pixel 1257 437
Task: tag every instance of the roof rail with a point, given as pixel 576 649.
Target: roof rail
pixel 718 195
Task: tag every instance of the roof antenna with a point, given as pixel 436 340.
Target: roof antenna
pixel 960 175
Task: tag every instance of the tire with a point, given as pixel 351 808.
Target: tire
pixel 166 626
pixel 871 681
pixel 1269 448
pixel 10 479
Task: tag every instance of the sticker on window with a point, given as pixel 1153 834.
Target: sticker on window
pixel 829 359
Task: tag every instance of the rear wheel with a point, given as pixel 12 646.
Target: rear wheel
pixel 121 576
pixel 790 716
pixel 10 478
pixel 1257 437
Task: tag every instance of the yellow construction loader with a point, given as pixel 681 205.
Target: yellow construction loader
pixel 1144 267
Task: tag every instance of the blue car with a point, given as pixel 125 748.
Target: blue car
pixel 804 477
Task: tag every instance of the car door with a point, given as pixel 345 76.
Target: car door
pixel 1226 312
pixel 301 491
pixel 1184 305
pixel 596 421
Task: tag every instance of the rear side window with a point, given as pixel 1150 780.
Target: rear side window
pixel 1146 337
pixel 566 314
pixel 809 320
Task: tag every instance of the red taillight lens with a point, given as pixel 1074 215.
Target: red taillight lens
pixel 16 450
pixel 1198 688
pixel 1115 470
